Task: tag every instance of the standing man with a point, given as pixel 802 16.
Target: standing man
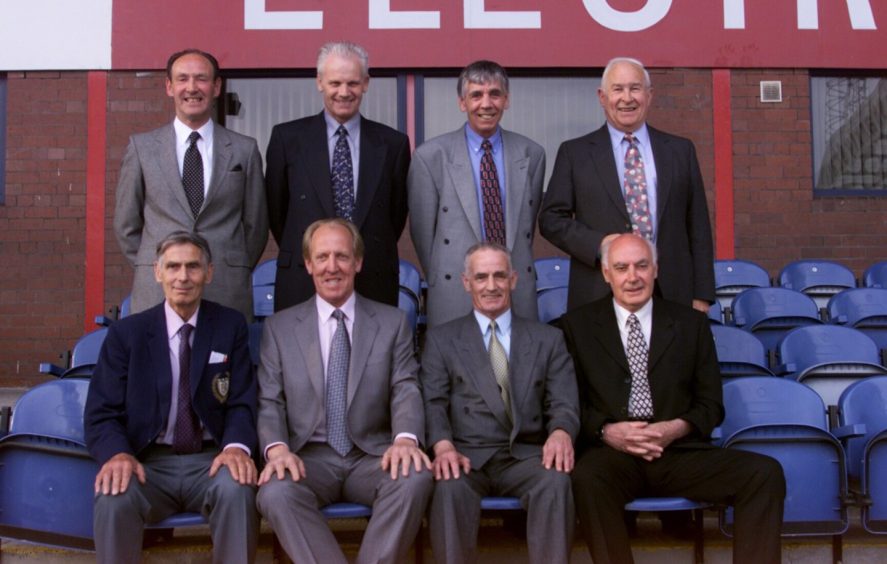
pixel 478 183
pixel 171 414
pixel 650 395
pixel 501 412
pixel 628 177
pixel 338 164
pixel 340 411
pixel 193 175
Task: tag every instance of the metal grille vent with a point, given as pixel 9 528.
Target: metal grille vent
pixel 771 91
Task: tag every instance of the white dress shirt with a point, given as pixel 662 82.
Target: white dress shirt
pixel 204 145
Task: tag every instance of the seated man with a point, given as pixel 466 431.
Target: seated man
pixel 340 411
pixel 171 413
pixel 650 395
pixel 501 412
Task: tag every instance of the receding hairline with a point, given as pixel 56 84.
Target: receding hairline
pixel 613 63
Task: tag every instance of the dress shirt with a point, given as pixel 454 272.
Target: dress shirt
pixel 620 146
pixel 352 126
pixel 173 324
pixel 503 330
pixel 204 146
pixel 645 317
pixel 475 154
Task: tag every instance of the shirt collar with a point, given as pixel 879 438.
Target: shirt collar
pixel 325 309
pixel 352 126
pixel 474 140
pixel 503 322
pixel 642 135
pixel 174 322
pixel 183 132
pixel 643 314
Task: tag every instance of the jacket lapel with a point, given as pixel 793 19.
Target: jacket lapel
pixel 222 154
pixel 516 165
pixel 365 330
pixel 309 344
pixel 372 157
pixel 317 159
pixel 158 346
pixel 461 176
pixel 661 337
pixel 168 163
pixel 605 328
pixel 663 161
pixel 520 363
pixel 602 157
pixel 477 367
pixel 200 350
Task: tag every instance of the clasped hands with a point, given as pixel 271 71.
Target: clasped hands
pixel 642 439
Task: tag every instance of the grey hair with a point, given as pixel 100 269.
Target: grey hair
pixel 185 238
pixel 485 246
pixel 605 248
pixel 357 247
pixel 625 60
pixel 481 72
pixel 344 49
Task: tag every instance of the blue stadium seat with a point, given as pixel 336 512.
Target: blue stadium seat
pixel 411 284
pixel 263 279
pixel 732 277
pixel 407 303
pixel 716 314
pixel 552 272
pixel 787 421
pixel 875 276
pixel 739 353
pixel 658 504
pixel 552 304
pixel 864 309
pixel 819 279
pixel 83 357
pixel 828 358
pixel 116 312
pixel 863 418
pixel 770 313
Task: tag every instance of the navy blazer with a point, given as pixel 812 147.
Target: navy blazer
pixel 130 392
pixel 297 182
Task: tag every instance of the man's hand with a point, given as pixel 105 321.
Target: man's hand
pixel 645 440
pixel 280 459
pixel 401 454
pixel 670 430
pixel 448 461
pixel 557 452
pixel 114 476
pixel 701 305
pixel 240 465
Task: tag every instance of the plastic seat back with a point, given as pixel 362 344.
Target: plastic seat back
pixel 769 313
pixel 864 309
pixel 552 272
pixel 863 402
pixel 734 276
pixel 264 277
pixel 52 409
pixel 552 304
pixel 819 279
pixel 751 402
pixel 716 314
pixel 739 353
pixel 409 279
pixel 265 273
pixel 875 276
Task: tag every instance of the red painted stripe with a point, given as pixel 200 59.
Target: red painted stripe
pixel 723 139
pixel 411 110
pixel 96 116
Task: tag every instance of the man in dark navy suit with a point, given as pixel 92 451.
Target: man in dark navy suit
pixel 171 415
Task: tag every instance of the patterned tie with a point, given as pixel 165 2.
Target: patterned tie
pixel 342 175
pixel 192 174
pixel 187 438
pixel 640 401
pixel 499 361
pixel 494 220
pixel 636 190
pixel 337 387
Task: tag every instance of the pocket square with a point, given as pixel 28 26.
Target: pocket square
pixel 237 168
pixel 217 357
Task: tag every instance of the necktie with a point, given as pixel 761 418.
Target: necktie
pixel 342 175
pixel 192 174
pixel 494 220
pixel 640 401
pixel 187 438
pixel 636 190
pixel 337 387
pixel 499 361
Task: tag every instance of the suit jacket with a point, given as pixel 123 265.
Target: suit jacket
pixel 131 388
pixel 682 367
pixel 383 391
pixel 445 219
pixel 462 401
pixel 584 203
pixel 300 193
pixel 151 203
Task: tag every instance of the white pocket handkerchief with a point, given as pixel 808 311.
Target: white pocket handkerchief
pixel 217 357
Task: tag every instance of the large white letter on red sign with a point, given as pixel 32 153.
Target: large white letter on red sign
pixel 860 11
pixel 648 16
pixel 381 17
pixel 255 17
pixel 477 17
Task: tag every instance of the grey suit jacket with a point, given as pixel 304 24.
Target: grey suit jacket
pixel 462 401
pixel 383 389
pixel 445 219
pixel 151 204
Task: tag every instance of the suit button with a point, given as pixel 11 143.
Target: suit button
pixel 535 418
pixel 531 202
pixel 447 277
pixel 458 379
pixel 529 269
pixel 627 381
pixel 538 384
pixel 528 235
pixel 446 241
pixel 467 410
pixel 302 196
pixel 624 411
pixel 446 209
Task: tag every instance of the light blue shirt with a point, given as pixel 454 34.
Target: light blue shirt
pixel 352 126
pixel 503 330
pixel 475 153
pixel 620 147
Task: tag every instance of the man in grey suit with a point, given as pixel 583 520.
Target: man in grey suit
pixel 193 175
pixel 501 412
pixel 478 183
pixel 340 411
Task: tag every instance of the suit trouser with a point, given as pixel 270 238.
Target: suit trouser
pixel 293 508
pixel 544 494
pixel 175 484
pixel 604 480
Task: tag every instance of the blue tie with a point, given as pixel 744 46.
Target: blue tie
pixel 342 176
pixel 337 387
